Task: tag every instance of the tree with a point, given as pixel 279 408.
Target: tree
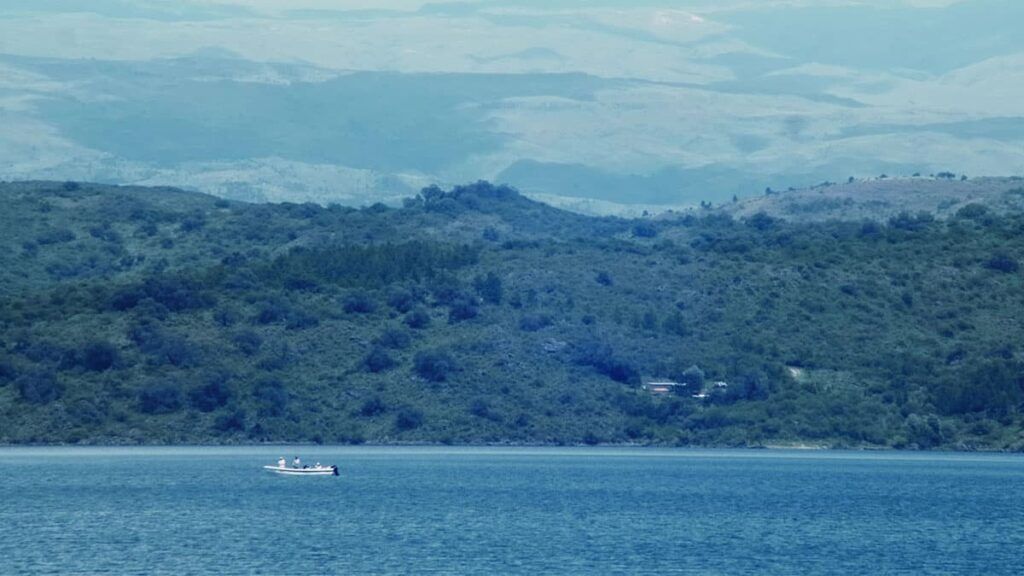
pixel 693 377
pixel 925 432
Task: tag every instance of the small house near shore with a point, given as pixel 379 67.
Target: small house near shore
pixel 662 387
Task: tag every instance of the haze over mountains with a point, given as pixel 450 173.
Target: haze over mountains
pixel 599 106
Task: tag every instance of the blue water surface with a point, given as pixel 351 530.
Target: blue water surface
pixel 509 511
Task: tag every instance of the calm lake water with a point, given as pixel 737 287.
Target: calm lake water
pixel 509 511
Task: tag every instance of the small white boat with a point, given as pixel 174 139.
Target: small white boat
pixel 304 471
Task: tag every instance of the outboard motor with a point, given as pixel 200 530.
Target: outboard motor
pixel 335 468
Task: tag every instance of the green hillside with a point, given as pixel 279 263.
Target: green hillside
pixel 132 315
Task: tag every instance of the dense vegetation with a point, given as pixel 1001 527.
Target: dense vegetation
pixel 475 315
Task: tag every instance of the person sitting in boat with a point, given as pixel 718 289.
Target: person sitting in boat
pixel 317 465
pixel 281 462
pixel 296 463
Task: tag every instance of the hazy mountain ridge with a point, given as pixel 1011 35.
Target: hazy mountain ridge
pixel 476 315
pixel 650 104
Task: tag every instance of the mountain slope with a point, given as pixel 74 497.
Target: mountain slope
pixel 476 315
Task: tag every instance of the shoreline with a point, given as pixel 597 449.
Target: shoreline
pixel 769 447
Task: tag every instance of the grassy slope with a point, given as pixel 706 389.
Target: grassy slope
pixel 902 334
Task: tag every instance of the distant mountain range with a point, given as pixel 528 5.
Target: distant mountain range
pixel 613 106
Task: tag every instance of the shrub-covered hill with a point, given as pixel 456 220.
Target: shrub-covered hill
pixel 476 315
pixel 942 195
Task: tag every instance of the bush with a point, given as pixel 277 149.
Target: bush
pixel 676 324
pixel 271 397
pixel 1003 262
pixel 534 322
pixel 434 365
pixel 105 233
pixel 301 320
pixel 418 319
pixel 408 418
pixel 164 347
pixel 39 387
pixel 226 316
pixel 100 356
pixel 272 311
pixel 463 308
pixel 211 395
pixel 446 289
pixel 58 236
pixel 7 372
pixel 177 293
pixel 177 351
pixel 233 421
pixel 600 356
pixel 278 357
pixel 359 303
pixel 247 342
pixel 163 398
pixel 644 230
pixel 904 221
pixel 761 222
pixel 972 211
pixel 489 288
pixel 394 339
pixel 378 360
pixel 402 300
pixel 194 221
pixel 373 407
pixel 480 408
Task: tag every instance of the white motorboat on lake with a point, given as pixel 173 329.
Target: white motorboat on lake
pixel 304 471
